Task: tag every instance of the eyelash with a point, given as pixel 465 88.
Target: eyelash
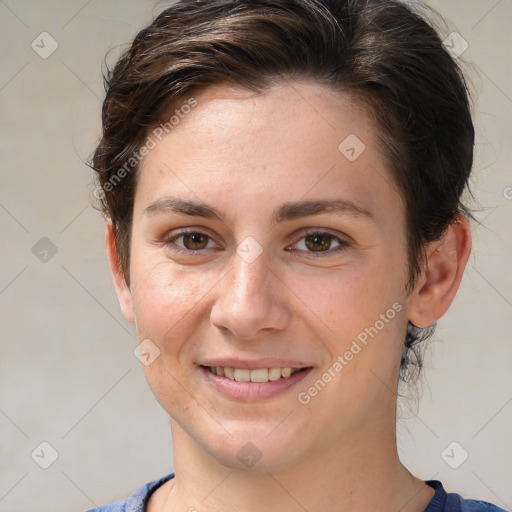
pixel 343 244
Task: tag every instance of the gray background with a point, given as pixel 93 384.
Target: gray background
pixel 68 376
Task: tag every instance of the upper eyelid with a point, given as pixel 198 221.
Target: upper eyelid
pixel 322 231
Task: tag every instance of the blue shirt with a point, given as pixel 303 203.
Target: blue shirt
pixel 440 502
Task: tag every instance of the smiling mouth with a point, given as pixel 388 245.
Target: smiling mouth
pixel 256 375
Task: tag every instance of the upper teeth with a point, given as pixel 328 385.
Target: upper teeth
pixel 258 375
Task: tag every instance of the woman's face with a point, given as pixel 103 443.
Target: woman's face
pixel 268 234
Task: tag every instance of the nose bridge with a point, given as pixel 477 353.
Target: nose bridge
pixel 249 299
pixel 248 283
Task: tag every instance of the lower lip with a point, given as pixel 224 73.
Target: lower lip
pixel 252 391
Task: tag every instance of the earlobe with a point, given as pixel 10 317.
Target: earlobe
pixel 446 261
pixel 123 292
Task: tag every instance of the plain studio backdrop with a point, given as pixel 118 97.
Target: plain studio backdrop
pixel 78 423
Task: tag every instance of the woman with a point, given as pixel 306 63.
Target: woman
pixel 282 185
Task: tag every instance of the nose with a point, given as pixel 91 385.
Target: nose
pixel 251 300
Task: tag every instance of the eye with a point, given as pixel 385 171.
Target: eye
pixel 190 241
pixel 318 243
pixel 315 243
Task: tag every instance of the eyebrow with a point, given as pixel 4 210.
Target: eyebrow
pixel 287 211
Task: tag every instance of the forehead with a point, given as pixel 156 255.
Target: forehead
pixel 294 139
pixel 320 109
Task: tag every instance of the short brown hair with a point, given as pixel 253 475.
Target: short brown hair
pixel 381 52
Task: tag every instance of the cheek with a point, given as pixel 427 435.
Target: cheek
pixel 166 305
pixel 350 298
pixel 165 301
pixel 360 314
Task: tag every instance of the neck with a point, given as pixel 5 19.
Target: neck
pixel 352 476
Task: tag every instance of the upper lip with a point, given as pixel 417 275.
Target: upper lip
pixel 254 364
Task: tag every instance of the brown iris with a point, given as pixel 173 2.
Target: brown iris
pixel 195 241
pixel 318 242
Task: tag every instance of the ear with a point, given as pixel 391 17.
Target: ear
pixel 438 284
pixel 122 290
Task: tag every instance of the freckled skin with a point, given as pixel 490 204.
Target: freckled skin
pixel 246 154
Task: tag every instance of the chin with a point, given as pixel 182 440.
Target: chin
pixel 254 447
